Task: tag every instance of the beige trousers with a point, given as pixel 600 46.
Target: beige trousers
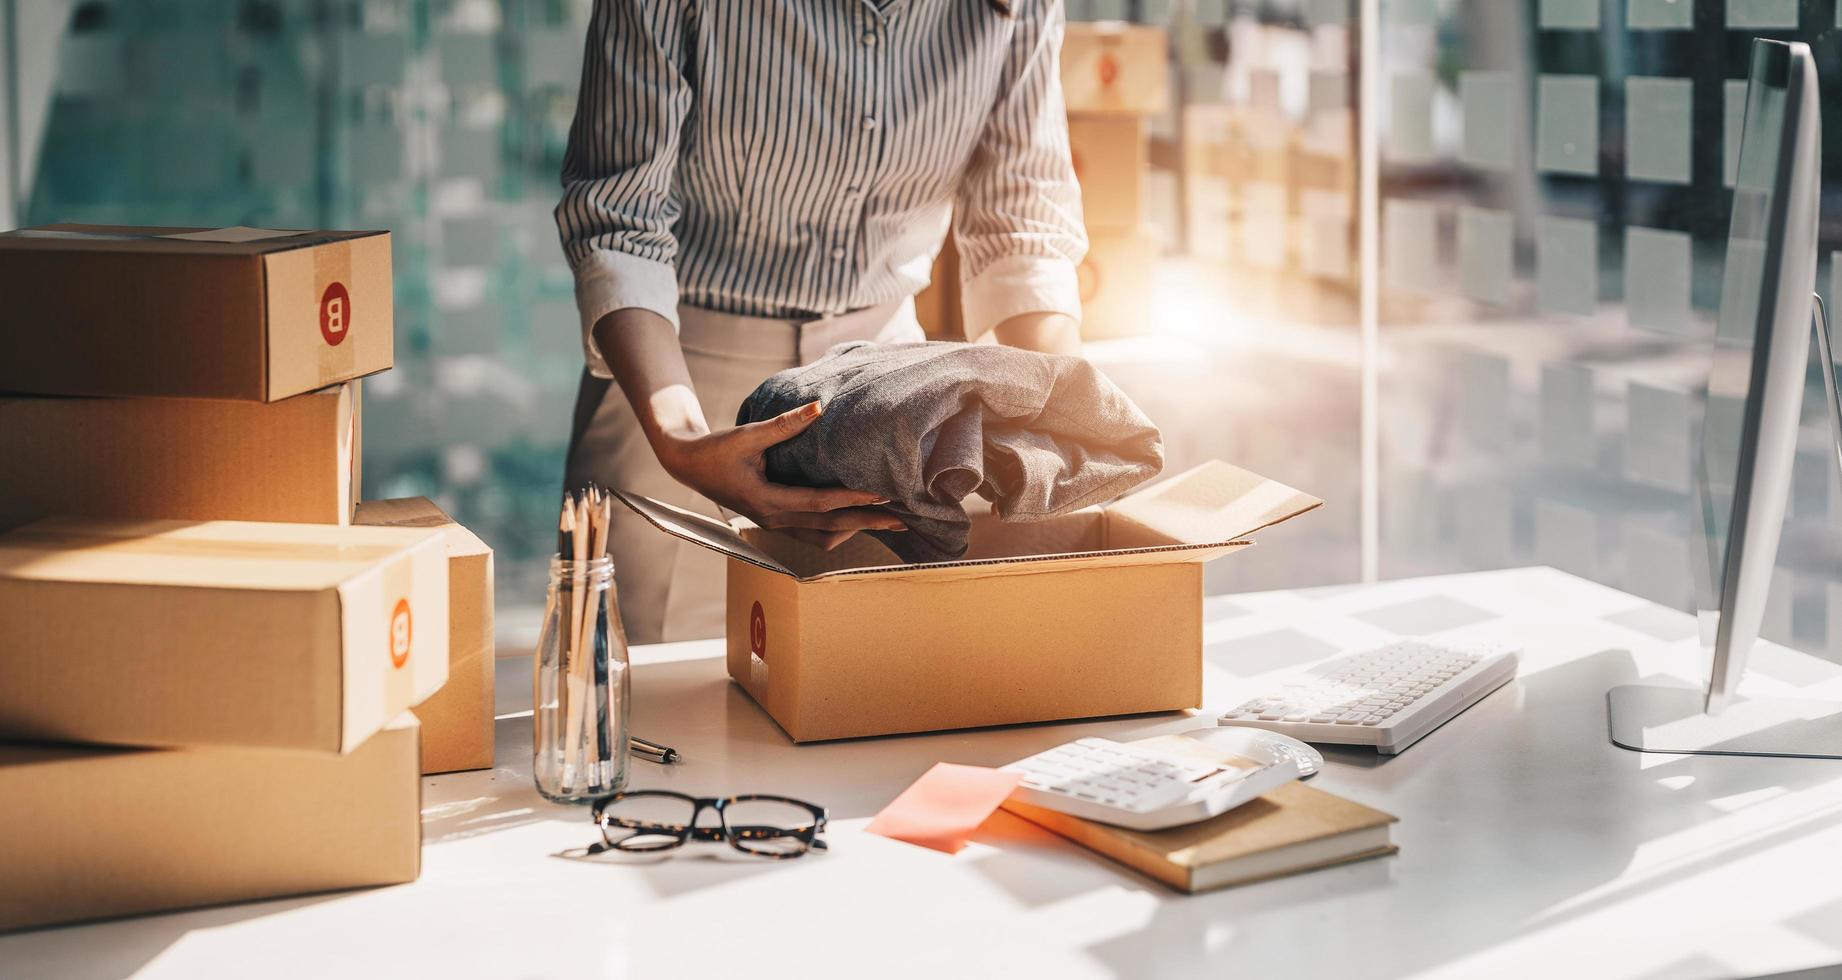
pixel 670 590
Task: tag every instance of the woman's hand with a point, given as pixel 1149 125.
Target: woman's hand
pixel 729 468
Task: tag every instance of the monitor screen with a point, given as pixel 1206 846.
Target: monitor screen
pixel 1743 317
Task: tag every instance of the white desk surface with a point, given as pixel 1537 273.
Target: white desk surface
pixel 1530 846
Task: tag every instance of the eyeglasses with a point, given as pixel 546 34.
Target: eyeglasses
pixel 651 820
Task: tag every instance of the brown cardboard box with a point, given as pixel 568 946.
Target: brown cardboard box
pixel 457 722
pixel 90 833
pixel 1115 281
pixel 1097 612
pixel 235 313
pixel 299 636
pixel 1111 158
pixel 193 458
pixel 1110 66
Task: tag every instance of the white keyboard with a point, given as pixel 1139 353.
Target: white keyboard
pixel 1122 784
pixel 1388 697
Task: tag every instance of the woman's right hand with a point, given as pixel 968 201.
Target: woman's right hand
pixel 730 468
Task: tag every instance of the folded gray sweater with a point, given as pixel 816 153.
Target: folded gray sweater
pixel 926 424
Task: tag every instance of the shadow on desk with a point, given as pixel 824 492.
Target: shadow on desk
pixel 133 942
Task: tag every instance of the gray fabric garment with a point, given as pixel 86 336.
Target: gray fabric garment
pixel 926 424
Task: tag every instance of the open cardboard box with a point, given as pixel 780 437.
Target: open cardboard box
pixel 1095 612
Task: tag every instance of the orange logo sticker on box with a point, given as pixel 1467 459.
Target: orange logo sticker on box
pixel 335 313
pixel 1108 69
pixel 757 633
pixel 400 626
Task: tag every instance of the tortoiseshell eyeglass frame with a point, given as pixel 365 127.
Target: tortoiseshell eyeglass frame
pixel 676 834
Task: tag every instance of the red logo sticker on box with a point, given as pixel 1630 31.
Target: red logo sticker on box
pixel 400 626
pixel 1108 70
pixel 335 313
pixel 757 632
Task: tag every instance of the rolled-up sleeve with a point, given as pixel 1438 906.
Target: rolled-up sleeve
pixel 1018 214
pixel 619 205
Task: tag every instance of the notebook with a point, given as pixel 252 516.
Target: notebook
pixel 1292 829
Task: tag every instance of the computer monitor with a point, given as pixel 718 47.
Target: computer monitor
pixel 1749 433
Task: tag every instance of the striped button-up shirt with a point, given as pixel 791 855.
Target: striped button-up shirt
pixel 794 158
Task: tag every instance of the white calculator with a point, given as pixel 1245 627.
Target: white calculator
pixel 1127 784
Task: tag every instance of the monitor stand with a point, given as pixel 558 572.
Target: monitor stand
pixel 1647 718
pixel 1652 718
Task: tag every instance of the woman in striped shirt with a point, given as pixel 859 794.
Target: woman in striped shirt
pixel 751 181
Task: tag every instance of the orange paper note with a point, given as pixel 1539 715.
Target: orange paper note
pixel 944 806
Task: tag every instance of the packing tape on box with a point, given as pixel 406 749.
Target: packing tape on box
pixel 59 540
pixel 332 283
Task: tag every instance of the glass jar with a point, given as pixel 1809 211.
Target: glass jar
pixel 580 686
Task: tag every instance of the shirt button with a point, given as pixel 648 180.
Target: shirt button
pixel 869 122
pixel 837 254
pixel 869 39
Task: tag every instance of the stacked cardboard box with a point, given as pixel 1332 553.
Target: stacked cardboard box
pixel 1114 78
pixel 205 667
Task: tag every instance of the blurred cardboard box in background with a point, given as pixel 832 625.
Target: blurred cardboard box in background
pixel 200 459
pixel 91 833
pixel 1116 281
pixel 1110 160
pixel 1111 66
pixel 457 721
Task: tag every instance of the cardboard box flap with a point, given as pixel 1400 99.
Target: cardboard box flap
pixel 1038 564
pixel 1214 502
pixel 131 238
pixel 700 530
